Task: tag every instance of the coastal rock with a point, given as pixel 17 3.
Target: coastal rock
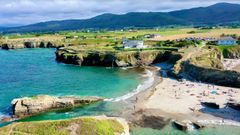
pixel 28 106
pixel 232 52
pixel 31 45
pixel 208 68
pixel 234 105
pixel 154 122
pixel 180 126
pixel 212 105
pixel 186 125
pixel 70 55
pixel 12 46
pixel 149 119
pixel 79 126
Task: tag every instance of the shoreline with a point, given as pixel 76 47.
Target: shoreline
pixel 147 102
pixel 136 109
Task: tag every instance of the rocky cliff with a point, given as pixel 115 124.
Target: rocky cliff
pixel 114 58
pixel 30 44
pixel 28 106
pixel 99 125
pixel 208 67
pixel 231 52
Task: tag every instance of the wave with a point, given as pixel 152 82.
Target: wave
pixel 143 86
pixel 3 116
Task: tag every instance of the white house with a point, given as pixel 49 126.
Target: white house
pixel 152 35
pixel 227 41
pixel 133 43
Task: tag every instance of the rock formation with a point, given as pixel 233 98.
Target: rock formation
pixel 234 105
pixel 29 44
pixel 114 58
pixel 8 46
pixel 186 125
pixel 28 106
pixel 207 67
pixel 212 105
pixel 232 52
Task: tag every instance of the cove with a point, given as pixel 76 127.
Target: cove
pixel 29 72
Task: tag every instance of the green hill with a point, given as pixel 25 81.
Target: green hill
pixel 215 14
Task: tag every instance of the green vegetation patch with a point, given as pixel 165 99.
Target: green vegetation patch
pixel 83 126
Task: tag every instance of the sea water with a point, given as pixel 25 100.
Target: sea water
pixel 30 72
pixel 169 130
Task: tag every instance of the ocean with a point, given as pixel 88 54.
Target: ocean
pixel 30 72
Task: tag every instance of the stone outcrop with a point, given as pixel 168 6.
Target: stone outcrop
pixel 28 106
pixel 12 46
pixel 79 126
pixel 207 67
pixel 114 58
pixel 186 125
pixel 212 105
pixel 234 105
pixel 29 44
pixel 232 52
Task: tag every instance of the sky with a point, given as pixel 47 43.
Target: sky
pixel 23 12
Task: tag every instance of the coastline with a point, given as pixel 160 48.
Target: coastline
pixel 152 101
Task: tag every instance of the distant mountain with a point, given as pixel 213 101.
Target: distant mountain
pixel 218 13
pixel 215 14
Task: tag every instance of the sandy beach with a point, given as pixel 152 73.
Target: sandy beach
pixel 182 100
pixel 231 64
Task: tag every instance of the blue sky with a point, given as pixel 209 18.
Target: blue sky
pixel 22 12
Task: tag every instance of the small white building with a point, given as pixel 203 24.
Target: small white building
pixel 152 36
pixel 227 41
pixel 133 43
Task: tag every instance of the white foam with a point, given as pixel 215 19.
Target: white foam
pixel 219 122
pixel 144 85
pixel 3 116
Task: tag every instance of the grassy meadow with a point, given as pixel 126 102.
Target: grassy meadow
pixel 112 40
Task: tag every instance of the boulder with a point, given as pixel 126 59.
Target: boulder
pixel 180 126
pixel 186 125
pixel 28 106
pixel 233 105
pixel 212 105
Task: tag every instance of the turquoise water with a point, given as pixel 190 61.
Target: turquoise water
pixel 169 130
pixel 30 72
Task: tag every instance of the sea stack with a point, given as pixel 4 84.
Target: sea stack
pixel 29 106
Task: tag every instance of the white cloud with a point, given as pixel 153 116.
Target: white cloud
pixel 32 11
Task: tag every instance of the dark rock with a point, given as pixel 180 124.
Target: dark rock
pixel 42 45
pixel 154 122
pixel 31 45
pixel 180 126
pixel 186 126
pixel 211 105
pixel 235 106
pixel 12 46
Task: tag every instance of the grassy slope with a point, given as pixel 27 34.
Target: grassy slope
pixel 83 126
